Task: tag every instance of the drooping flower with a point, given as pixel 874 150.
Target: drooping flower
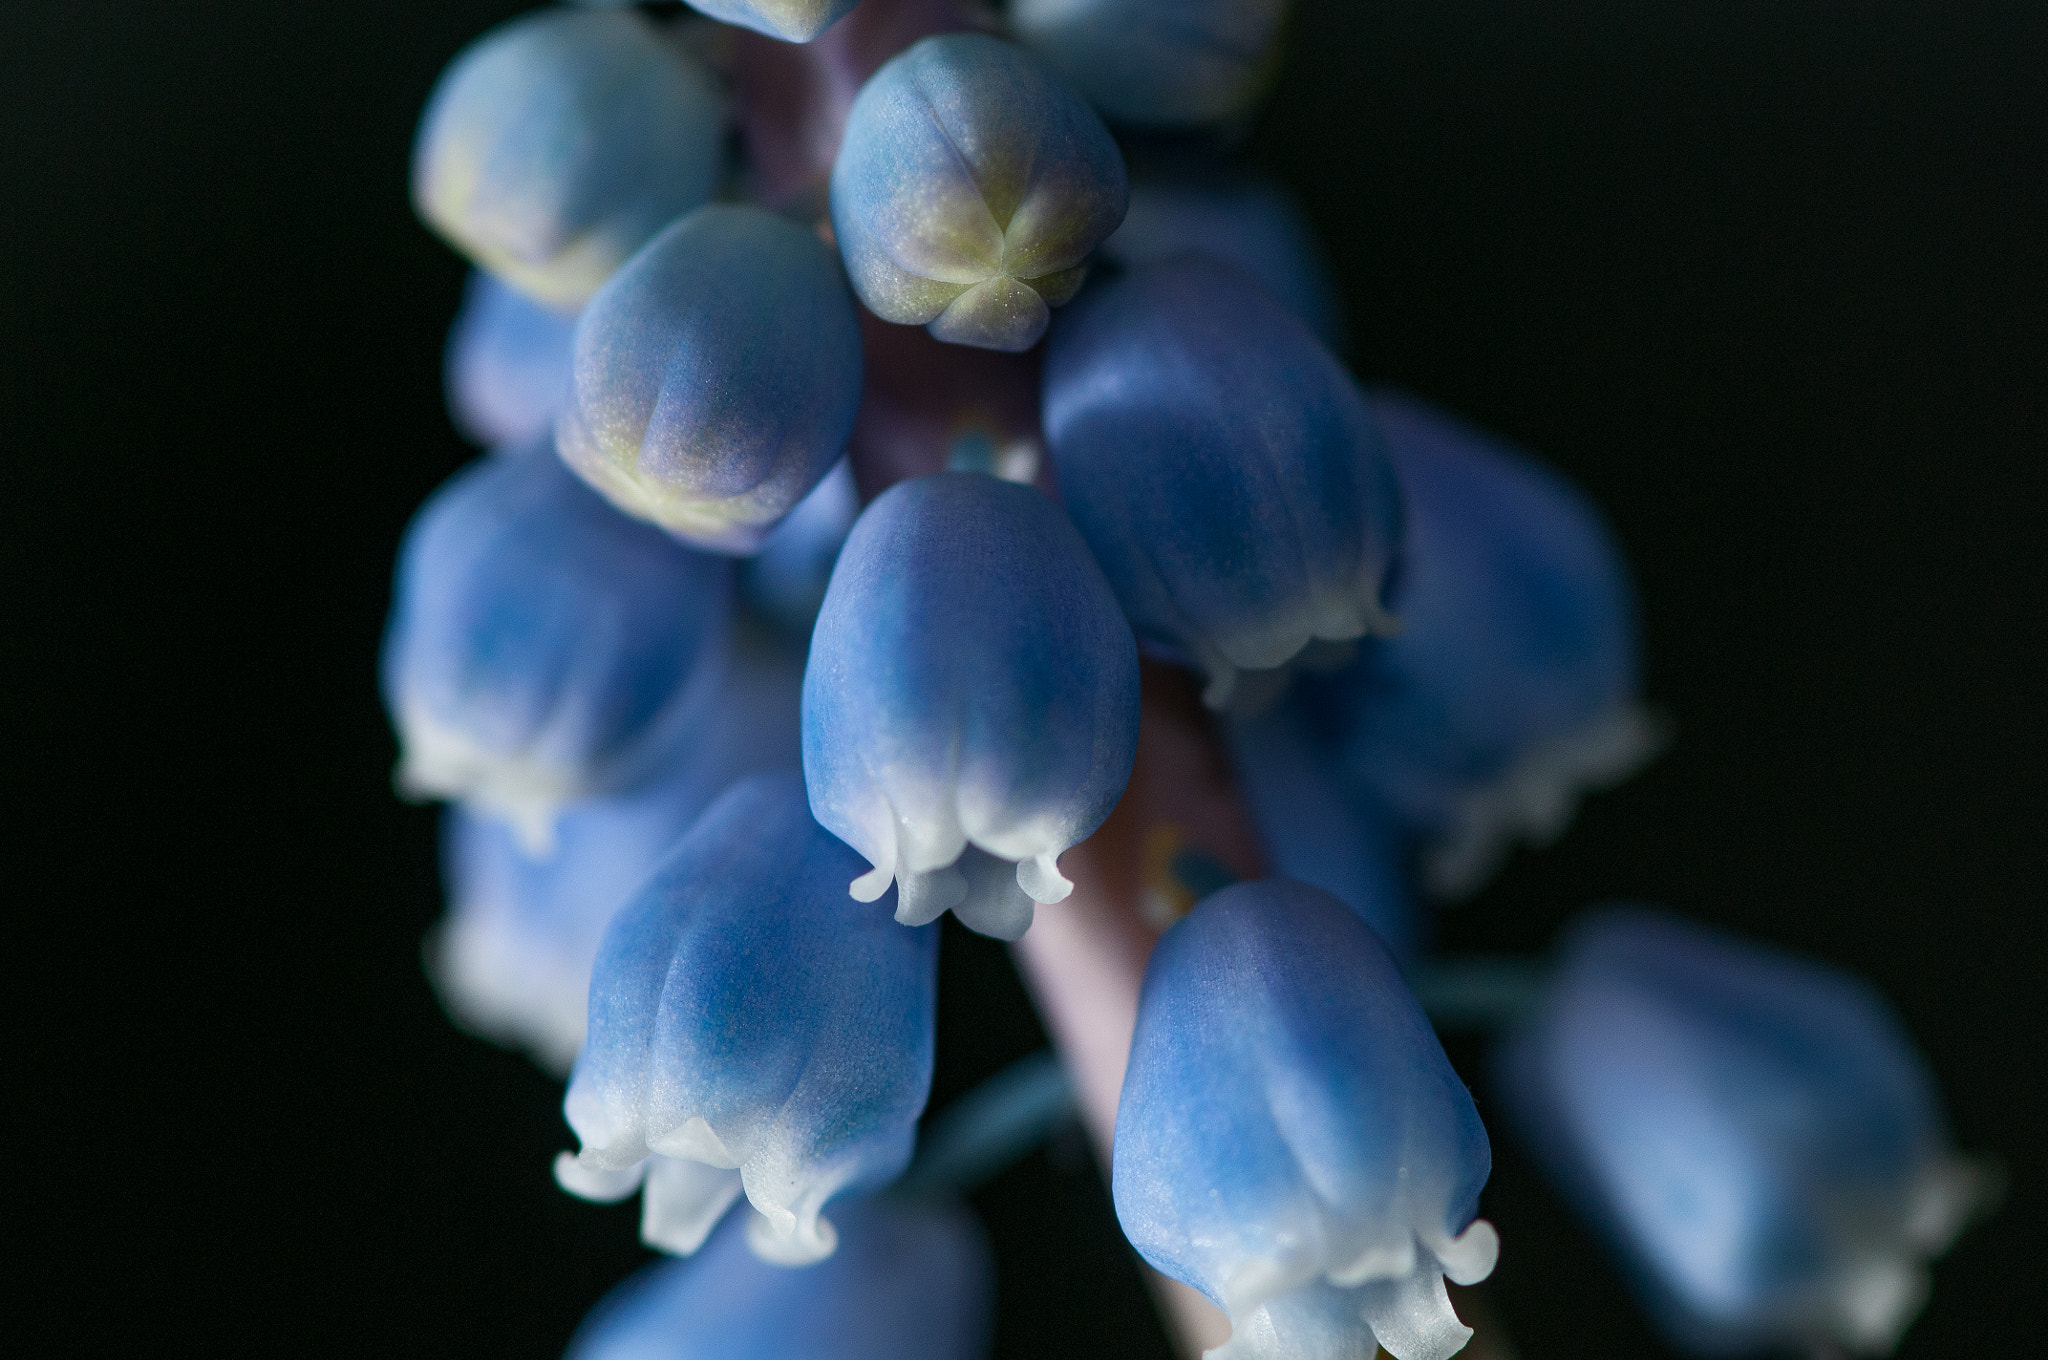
pixel 1158 63
pixel 507 365
pixel 512 960
pixel 1513 685
pixel 1752 1131
pixel 1223 467
pixel 543 648
pixel 716 377
pixel 969 190
pixel 752 1028
pixel 971 700
pixel 1292 1141
pixel 908 1280
pixel 559 142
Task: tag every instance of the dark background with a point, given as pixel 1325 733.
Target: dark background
pixel 1769 279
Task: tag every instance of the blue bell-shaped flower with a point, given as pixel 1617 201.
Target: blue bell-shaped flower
pixel 1752 1131
pixel 909 1282
pixel 512 960
pixel 1222 466
pixel 506 366
pixel 796 21
pixel 969 190
pixel 1513 684
pixel 1253 224
pixel 716 377
pixel 558 142
pixel 1157 63
pixel 971 688
pixel 752 1028
pixel 543 648
pixel 1292 1141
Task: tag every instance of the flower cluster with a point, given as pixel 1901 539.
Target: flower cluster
pixel 774 627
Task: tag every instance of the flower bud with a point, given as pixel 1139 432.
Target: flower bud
pixel 969 190
pixel 716 377
pixel 970 684
pixel 1292 1141
pixel 1753 1132
pixel 1223 468
pixel 558 142
pixel 542 648
pixel 755 1029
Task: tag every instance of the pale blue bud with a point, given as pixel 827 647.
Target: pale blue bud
pixel 1157 63
pixel 543 648
pixel 512 960
pixel 971 688
pixel 506 366
pixel 716 377
pixel 1513 685
pixel 969 190
pixel 1753 1132
pixel 1292 1141
pixel 559 142
pixel 909 1282
pixel 1222 466
pixel 752 1028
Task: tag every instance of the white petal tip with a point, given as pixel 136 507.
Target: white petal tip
pixel 1042 881
pixel 872 885
pixel 596 1184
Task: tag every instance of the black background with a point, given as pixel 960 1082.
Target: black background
pixel 1769 279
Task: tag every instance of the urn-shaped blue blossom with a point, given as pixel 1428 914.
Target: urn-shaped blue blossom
pixel 752 1028
pixel 557 143
pixel 1292 1141
pixel 970 702
pixel 1223 467
pixel 909 1280
pixel 1513 685
pixel 512 960
pixel 716 377
pixel 543 648
pixel 1753 1132
pixel 1157 63
pixel 1251 223
pixel 969 190
pixel 791 20
pixel 507 365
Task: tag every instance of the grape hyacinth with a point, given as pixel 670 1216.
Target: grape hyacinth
pixel 1752 1130
pixel 748 1017
pixel 541 648
pixel 1292 1140
pixel 971 684
pixel 560 141
pixel 1379 648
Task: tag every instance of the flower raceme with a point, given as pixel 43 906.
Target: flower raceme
pixel 1753 1133
pixel 716 377
pixel 752 1028
pixel 1513 684
pixel 908 1280
pixel 560 141
pixel 1291 1140
pixel 1223 467
pixel 969 190
pixel 971 700
pixel 543 648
